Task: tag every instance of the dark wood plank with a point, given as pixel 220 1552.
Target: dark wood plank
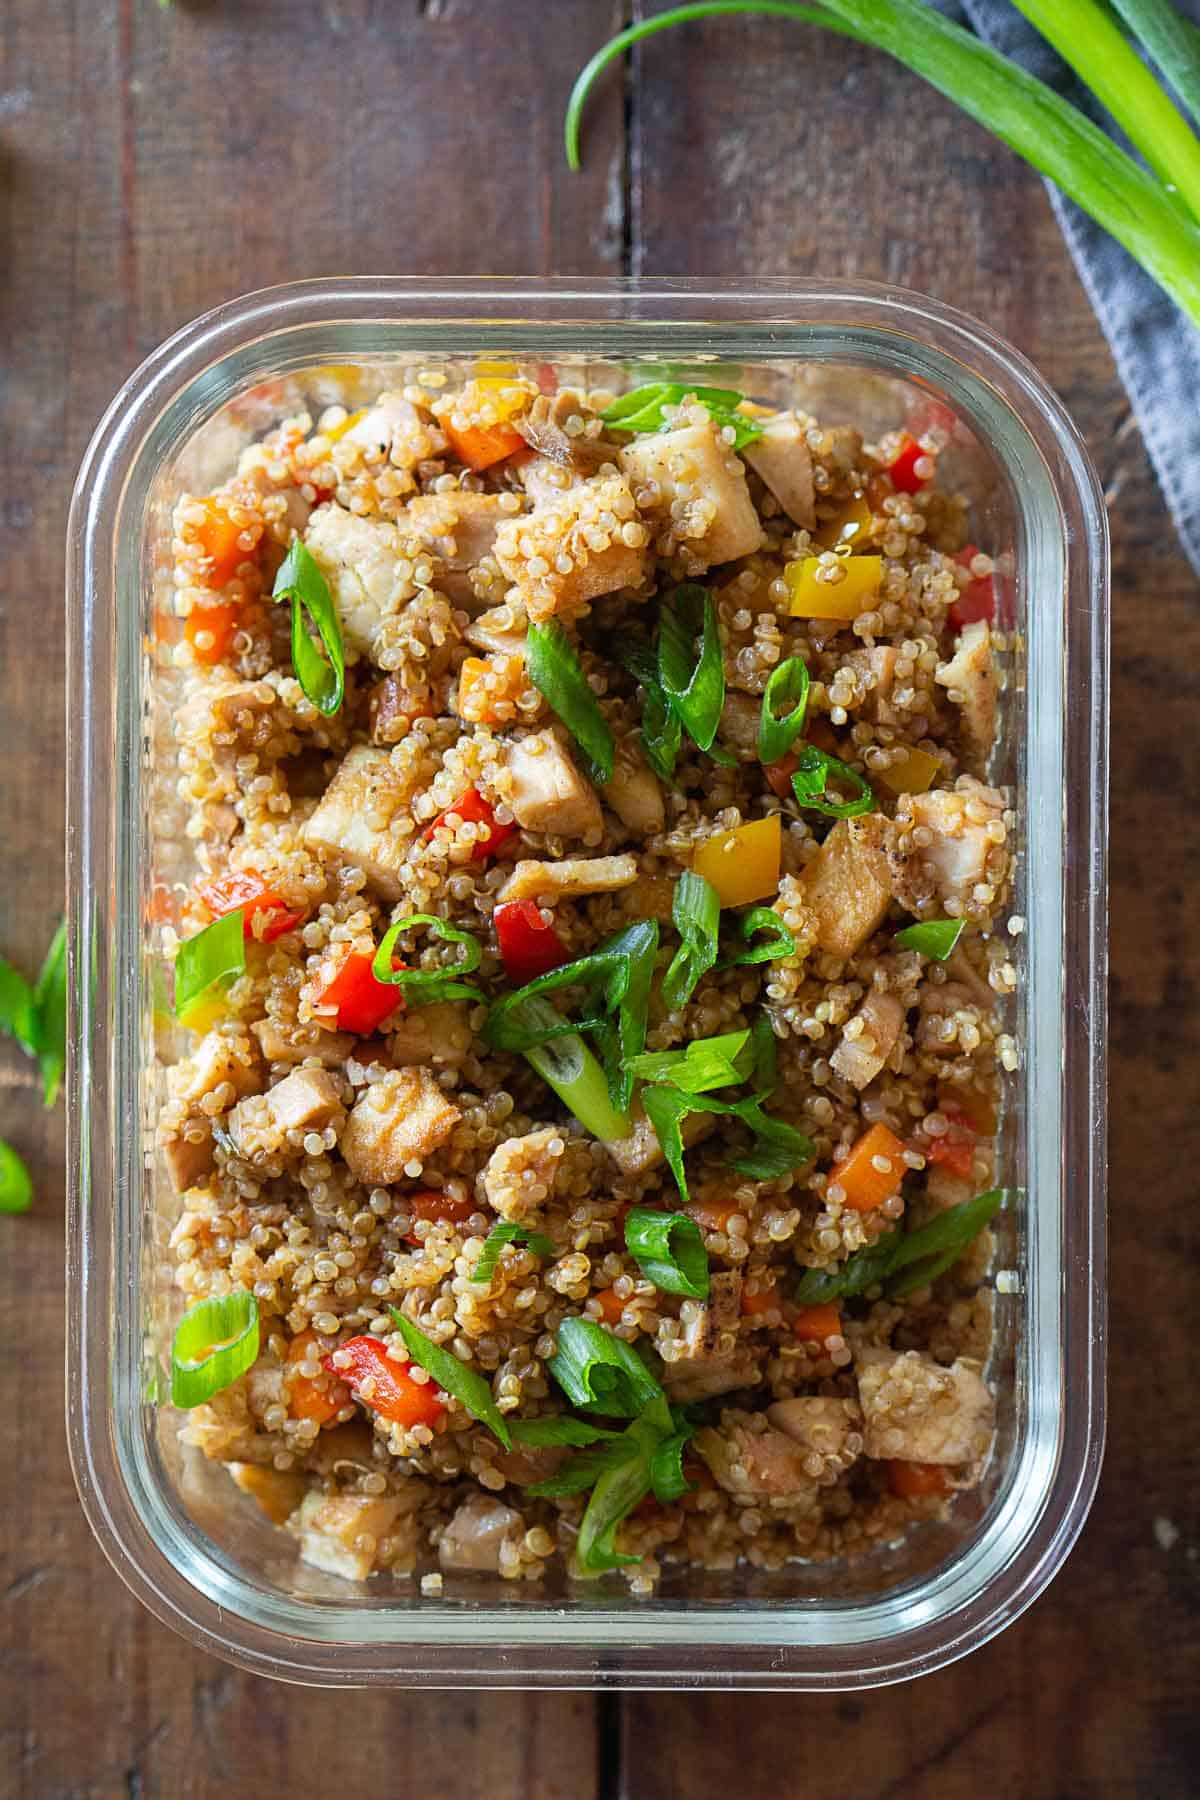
pixel 153 163
pixel 813 156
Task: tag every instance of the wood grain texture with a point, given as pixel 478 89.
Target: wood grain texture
pixel 154 163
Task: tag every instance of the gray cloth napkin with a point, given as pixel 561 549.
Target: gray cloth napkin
pixel 1157 350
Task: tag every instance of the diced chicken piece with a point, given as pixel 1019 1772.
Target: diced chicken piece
pixel 548 792
pixel 828 1428
pixel 436 1036
pixel 846 885
pixel 970 682
pixel 917 1411
pixel 308 1098
pixel 495 630
pixel 966 851
pixel 277 1491
pixel 239 716
pixel 689 1382
pixel 346 824
pixel 706 1357
pixel 526 1463
pixel 476 1534
pixel 754 1462
pixel 340 1533
pixel 641 1150
pixel 869 1038
pixel 586 542
pixel 368 567
pixel 693 465
pixel 520 1175
pixel 876 670
pixel 781 459
pixel 392 707
pixel 546 480
pixel 394 430
pixel 719 1314
pixel 189 1157
pixel 218 1058
pixel 634 793
pixel 400 1119
pixel 565 880
pixel 299 1042
pixel 459 527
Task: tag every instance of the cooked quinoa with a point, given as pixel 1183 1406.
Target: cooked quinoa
pixel 341 1151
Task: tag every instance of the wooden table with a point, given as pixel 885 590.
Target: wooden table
pixel 155 162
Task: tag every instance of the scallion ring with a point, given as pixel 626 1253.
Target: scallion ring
pixel 555 671
pixel 810 784
pixel 420 987
pixel 301 581
pixel 933 937
pixel 669 1250
pixel 775 939
pixel 215 1342
pixel 463 1384
pixel 215 955
pixel 787 687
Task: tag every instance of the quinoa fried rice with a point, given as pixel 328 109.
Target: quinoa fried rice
pixel 338 1153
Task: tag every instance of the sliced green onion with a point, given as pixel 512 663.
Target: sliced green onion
pixel 50 1005
pixel 18 1008
pixel 778 729
pixel 555 671
pixel 669 1250
pixel 666 1467
pixel 692 678
pixel 936 937
pixel 780 940
pixel 582 1471
pixel 215 1341
pixel 661 733
pixel 421 987
pixel 810 783
pixel 778 1147
pixel 863 1269
pixel 600 1372
pixel 621 1036
pixel 696 913
pixel 645 409
pixel 766 1056
pixel 706 1063
pixel 559 1429
pixel 463 1384
pixel 16 1189
pixel 614 1497
pixel 508 1232
pixel 931 1248
pixel 301 581
pixel 216 954
pixel 565 1063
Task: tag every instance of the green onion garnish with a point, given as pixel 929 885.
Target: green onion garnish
pixel 766 1056
pixel 861 1270
pixel 555 671
pixel 778 729
pixel 692 678
pixel 706 1063
pixel 301 581
pixel 508 1232
pixel 779 940
pixel 645 409
pixel 666 1467
pixel 936 937
pixel 600 1372
pixel 16 1189
pixel 810 783
pixel 215 1341
pixel 559 1429
pixel 420 987
pixel 696 913
pixel 777 1149
pixel 662 730
pixel 669 1250
pixel 565 1063
pixel 582 1471
pixel 18 1008
pixel 50 1008
pixel 924 1253
pixel 216 954
pixel 465 1385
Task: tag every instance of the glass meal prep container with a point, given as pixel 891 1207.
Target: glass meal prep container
pixel 197 1551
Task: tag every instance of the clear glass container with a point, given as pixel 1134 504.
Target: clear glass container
pixel 196 1551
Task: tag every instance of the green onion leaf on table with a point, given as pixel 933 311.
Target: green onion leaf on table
pixel 696 915
pixel 600 1372
pixel 787 688
pixel 933 937
pixel 508 1232
pixel 215 1342
pixel 216 954
pixel 421 987
pixel 16 1189
pixel 1127 200
pixel 669 1250
pixel 691 670
pixel 644 409
pixel 301 581
pixel 471 1389
pixel 556 672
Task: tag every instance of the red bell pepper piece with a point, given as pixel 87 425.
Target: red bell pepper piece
pixel 779 774
pixel 353 1000
pixel 393 1393
pixel 903 466
pixel 246 889
pixel 528 946
pixel 954 1148
pixel 473 809
pixel 978 601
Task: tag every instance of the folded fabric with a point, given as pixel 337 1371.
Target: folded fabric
pixel 1157 350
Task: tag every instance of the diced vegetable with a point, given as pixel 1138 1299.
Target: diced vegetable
pixel 437 1206
pixel 779 774
pixel 464 1384
pixel 696 914
pixel 611 1305
pixel 481 446
pixel 352 999
pixel 847 527
pixel 784 706
pixel 814 596
pixel 390 1390
pixel 762 1300
pixel 916 1481
pixel 245 891
pixel 301 581
pixel 713 1214
pixel 955 1153
pixel 309 1398
pixel 529 947
pixel 902 466
pixel 215 1341
pixel 215 955
pixel 556 672
pixel 814 1324
pixel 217 538
pixel 873 1171
pixel 915 775
pixel 473 809
pixel 977 600
pixel 479 702
pixel 210 630
pixel 669 1250
pixel 811 785
pixel 16 1189
pixel 742 864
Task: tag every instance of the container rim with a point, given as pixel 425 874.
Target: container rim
pixel 589 1648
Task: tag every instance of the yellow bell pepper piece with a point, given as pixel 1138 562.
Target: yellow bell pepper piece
pixel 742 864
pixel 847 527
pixel 206 1010
pixel 813 598
pixel 351 419
pixel 912 776
pixel 493 373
